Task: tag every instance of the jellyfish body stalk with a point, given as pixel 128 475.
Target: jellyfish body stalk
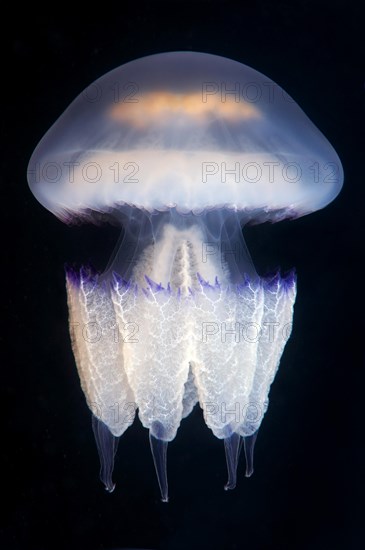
pixel 180 316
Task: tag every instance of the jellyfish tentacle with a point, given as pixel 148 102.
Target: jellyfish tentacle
pixel 229 317
pixel 195 337
pixel 159 455
pixel 232 447
pixel 276 326
pixel 156 353
pixel 107 445
pixel 99 360
pixel 249 447
pixel 98 350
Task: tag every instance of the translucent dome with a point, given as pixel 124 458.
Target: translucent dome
pixel 187 130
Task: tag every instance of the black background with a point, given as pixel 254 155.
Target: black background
pixel 308 488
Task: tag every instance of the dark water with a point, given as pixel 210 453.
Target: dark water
pixel 308 486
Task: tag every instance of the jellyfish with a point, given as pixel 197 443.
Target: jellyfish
pixel 182 150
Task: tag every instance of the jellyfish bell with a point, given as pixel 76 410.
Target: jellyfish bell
pixel 169 129
pixel 182 149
